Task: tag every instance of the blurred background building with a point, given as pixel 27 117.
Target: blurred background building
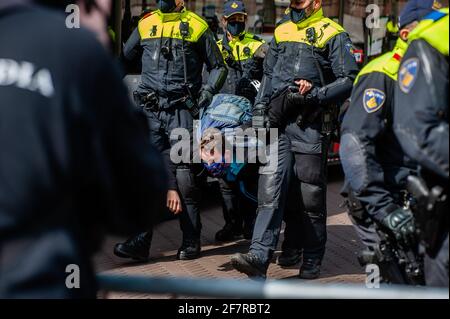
pixel 263 15
pixel 274 9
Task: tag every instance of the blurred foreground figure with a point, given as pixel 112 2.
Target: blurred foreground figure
pixel 377 169
pixel 75 159
pixel 421 125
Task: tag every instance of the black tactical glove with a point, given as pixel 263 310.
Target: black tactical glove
pixel 401 223
pixel 205 99
pixel 312 97
pixel 302 105
pixel 294 99
pixel 260 116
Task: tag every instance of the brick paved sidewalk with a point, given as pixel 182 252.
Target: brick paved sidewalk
pixel 340 263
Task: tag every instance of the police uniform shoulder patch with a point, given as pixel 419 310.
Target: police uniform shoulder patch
pixel 407 75
pixel 349 47
pixel 373 100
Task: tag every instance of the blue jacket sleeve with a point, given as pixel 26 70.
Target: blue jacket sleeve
pixel 265 92
pixel 421 107
pixel 362 130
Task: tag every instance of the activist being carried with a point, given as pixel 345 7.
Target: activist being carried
pixel 228 151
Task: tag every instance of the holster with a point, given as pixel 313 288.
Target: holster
pixel 433 227
pixel 430 209
pixel 149 101
pixel 402 264
pixel 329 119
pixel 354 206
pixel 188 102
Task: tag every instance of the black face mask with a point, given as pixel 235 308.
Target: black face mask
pixel 166 6
pixel 298 15
pixel 235 28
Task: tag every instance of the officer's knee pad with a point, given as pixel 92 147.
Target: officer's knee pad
pixel 353 159
pixel 314 200
pixel 267 189
pixel 311 168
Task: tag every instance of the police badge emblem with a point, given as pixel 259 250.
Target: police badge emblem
pixel 373 100
pixel 408 74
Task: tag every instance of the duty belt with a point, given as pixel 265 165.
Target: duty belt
pixel 151 102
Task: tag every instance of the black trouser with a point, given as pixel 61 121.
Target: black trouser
pixel 237 208
pixel 436 269
pixel 182 177
pixel 230 203
pixel 308 188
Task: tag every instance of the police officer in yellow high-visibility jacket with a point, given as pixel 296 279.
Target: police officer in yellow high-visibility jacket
pixel 175 44
pixel 243 52
pixel 314 54
pixel 376 169
pixel 421 126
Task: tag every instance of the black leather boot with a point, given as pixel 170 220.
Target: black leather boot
pixel 249 264
pixel 289 257
pixel 190 249
pixel 228 233
pixel 137 248
pixel 310 268
pixel 248 230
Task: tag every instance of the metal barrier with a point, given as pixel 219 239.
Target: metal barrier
pixel 271 289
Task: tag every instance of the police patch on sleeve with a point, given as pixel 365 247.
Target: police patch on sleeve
pixel 373 100
pixel 408 74
pixel 350 49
